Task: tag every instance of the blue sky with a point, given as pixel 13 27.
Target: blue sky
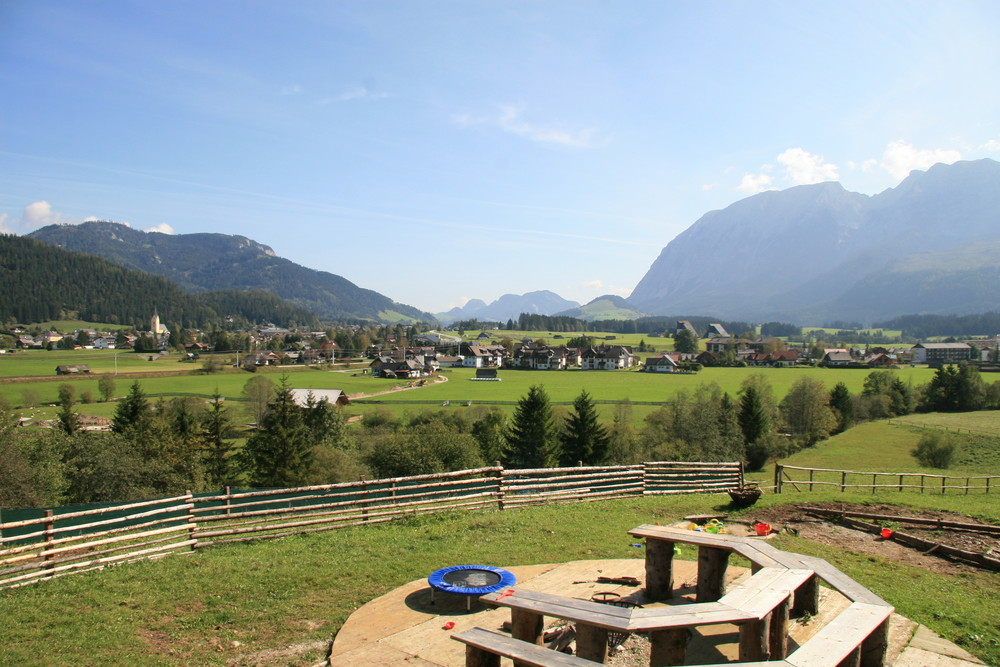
pixel 436 151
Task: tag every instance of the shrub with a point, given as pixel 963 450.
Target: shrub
pixel 935 450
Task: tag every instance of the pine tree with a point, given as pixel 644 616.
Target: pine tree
pixel 533 437
pixel 132 412
pixel 279 452
pixel 219 466
pixel 583 437
pixel 843 403
pixel 756 427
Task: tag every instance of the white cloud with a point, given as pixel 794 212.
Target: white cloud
pixel 162 228
pixel 754 183
pixel 866 165
pixel 991 145
pixel 900 158
pixel 803 168
pixel 592 284
pixel 4 229
pixel 40 213
pixel 509 119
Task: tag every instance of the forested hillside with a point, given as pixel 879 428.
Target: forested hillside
pixel 40 282
pixel 201 262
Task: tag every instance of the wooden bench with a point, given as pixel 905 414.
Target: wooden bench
pixel 484 649
pixel 760 608
pixel 858 636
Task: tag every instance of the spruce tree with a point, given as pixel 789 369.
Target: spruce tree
pixel 756 427
pixel 583 437
pixel 132 412
pixel 843 403
pixel 533 440
pixel 279 452
pixel 219 466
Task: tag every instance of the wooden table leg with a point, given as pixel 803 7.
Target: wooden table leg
pixel 659 569
pixel 712 564
pixel 591 643
pixel 667 647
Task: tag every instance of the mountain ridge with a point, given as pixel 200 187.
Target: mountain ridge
pixel 209 261
pixel 817 252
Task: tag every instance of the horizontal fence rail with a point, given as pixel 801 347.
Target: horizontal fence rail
pixel 36 545
pixel 787 478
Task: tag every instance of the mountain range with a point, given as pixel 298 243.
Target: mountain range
pixel 814 253
pixel 509 306
pixel 809 254
pixel 203 262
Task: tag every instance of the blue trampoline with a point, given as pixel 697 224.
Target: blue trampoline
pixel 470 581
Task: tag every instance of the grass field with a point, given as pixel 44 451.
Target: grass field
pixel 561 386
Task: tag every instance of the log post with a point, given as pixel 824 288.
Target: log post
pixel 875 647
pixel 807 598
pixel 667 647
pixel 777 478
pixel 364 499
pixel 499 468
pixel 477 657
pixel 755 640
pixel 779 632
pixel 49 537
pixel 843 481
pixel 227 501
pixel 659 569
pixel 591 643
pixel 712 564
pixel 191 521
pixel 528 626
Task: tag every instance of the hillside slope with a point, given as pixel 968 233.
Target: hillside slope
pixel 201 262
pixel 41 282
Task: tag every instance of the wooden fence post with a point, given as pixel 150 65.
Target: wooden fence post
pixel 811 471
pixel 191 521
pixel 874 482
pixel 777 477
pixel 49 536
pixel 500 471
pixel 364 499
pixel 227 501
pixel 843 481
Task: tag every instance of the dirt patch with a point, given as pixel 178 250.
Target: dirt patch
pixel 825 530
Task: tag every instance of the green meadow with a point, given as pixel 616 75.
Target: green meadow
pixel 172 375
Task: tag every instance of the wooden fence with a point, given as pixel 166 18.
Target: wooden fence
pixel 806 479
pixel 61 541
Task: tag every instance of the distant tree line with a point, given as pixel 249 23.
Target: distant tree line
pixel 928 326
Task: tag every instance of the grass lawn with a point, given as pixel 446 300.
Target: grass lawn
pixel 271 594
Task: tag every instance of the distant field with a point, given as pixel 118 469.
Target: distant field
pixel 43 362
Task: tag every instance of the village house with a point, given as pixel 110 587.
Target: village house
pixel 936 354
pixel 716 330
pixel 332 396
pixel 540 357
pixel 607 357
pixel 837 357
pixel 665 363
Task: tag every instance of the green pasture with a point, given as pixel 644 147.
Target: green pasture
pixel 458 389
pixel 42 363
pixel 226 605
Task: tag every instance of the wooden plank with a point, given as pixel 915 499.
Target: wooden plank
pixel 524 653
pixel 842 636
